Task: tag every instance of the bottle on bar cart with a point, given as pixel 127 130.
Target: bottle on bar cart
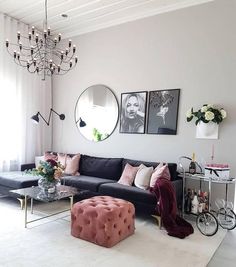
pixel 192 165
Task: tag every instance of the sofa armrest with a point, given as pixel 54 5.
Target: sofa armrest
pixel 27 166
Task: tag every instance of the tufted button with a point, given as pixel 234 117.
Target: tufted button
pixel 119 232
pixel 125 220
pixel 115 225
pixel 120 215
pixel 79 211
pixel 86 221
pixel 128 226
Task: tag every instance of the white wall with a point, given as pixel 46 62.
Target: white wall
pixel 193 49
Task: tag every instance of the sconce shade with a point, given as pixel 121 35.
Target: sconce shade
pixel 81 122
pixel 35 117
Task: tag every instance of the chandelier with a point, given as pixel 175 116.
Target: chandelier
pixel 40 52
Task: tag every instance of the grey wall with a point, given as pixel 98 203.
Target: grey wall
pixel 193 49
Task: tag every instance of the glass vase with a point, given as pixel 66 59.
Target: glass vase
pixel 48 187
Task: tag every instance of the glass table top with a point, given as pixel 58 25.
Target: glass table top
pixel 37 193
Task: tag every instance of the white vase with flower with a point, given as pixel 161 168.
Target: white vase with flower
pixel 208 118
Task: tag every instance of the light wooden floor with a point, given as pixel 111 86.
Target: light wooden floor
pixel 225 255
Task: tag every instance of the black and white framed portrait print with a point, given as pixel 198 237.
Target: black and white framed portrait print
pixel 133 112
pixel 163 111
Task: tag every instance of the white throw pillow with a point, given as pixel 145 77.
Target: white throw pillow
pixel 143 176
pixel 37 160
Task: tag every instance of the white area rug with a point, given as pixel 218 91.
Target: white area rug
pixel 49 243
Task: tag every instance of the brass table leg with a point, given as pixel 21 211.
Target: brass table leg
pixel 21 202
pixel 71 202
pixel 31 205
pixel 25 211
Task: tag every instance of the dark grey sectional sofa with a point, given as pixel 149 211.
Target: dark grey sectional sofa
pixel 99 176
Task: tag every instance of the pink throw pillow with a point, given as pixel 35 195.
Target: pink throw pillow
pixel 128 175
pixel 62 159
pixel 160 171
pixel 50 155
pixel 72 165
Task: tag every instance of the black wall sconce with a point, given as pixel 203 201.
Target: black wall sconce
pixel 35 118
pixel 81 122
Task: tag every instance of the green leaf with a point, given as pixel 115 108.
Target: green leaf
pixel 189 119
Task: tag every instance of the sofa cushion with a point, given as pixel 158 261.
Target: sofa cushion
pixel 50 155
pixel 143 176
pixel 107 168
pixel 18 179
pixel 160 171
pixel 37 160
pixel 128 175
pixel 130 193
pixel 70 163
pixel 172 166
pixel 85 182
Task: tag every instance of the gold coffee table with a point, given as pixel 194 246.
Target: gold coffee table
pixel 36 193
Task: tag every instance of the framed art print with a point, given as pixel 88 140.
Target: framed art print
pixel 133 112
pixel 163 111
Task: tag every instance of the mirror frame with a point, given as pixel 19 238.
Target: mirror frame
pixel 118 112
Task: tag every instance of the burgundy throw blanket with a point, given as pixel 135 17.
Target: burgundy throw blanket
pixel 167 209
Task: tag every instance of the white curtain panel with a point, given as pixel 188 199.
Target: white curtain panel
pixel 22 95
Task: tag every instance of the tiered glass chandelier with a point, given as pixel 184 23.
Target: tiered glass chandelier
pixel 41 52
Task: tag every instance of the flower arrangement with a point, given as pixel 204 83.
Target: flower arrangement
pixel 49 169
pixel 206 114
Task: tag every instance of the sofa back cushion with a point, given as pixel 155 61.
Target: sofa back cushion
pixel 172 166
pixel 107 168
pixel 161 171
pixel 128 175
pixel 143 177
pixel 70 163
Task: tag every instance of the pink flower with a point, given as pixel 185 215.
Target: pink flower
pixel 52 162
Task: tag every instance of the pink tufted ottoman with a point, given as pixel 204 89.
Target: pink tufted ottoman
pixel 102 220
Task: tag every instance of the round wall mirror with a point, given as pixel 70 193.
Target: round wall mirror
pixel 96 113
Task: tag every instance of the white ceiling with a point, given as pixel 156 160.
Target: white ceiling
pixel 87 15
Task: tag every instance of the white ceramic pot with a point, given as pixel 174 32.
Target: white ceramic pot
pixel 207 130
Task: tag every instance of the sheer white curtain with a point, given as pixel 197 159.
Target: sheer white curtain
pixel 22 94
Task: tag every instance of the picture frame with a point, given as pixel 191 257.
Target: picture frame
pixel 133 112
pixel 163 108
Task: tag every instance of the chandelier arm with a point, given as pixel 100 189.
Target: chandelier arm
pixel 22 65
pixel 38 54
pixel 69 68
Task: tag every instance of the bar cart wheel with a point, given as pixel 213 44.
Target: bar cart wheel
pixel 226 218
pixel 207 223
